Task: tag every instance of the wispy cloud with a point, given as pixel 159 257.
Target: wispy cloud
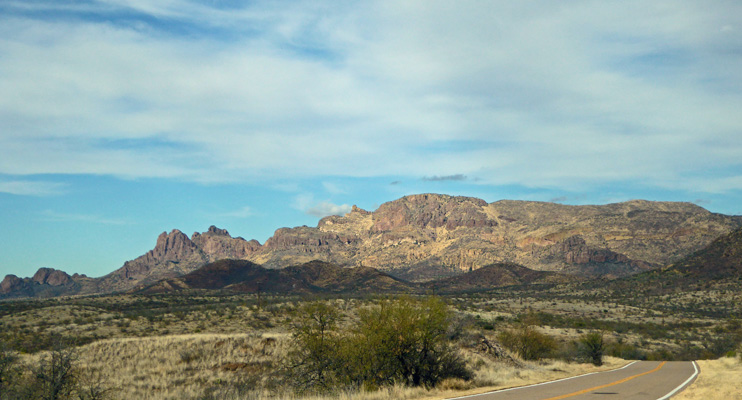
pixel 244 212
pixel 53 216
pixel 436 178
pixel 333 188
pixel 32 188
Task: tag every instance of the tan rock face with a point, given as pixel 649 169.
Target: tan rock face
pixel 431 211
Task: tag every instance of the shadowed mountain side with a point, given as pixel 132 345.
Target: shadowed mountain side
pixel 719 265
pixel 321 277
pixel 497 275
pixel 721 260
pixel 313 277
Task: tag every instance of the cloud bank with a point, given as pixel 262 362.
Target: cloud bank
pixel 543 95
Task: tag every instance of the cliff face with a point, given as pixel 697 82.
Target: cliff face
pixel 426 236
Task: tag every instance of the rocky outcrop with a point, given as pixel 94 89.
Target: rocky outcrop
pixel 46 282
pixel 174 254
pixel 11 283
pixel 431 211
pixel 217 244
pixel 51 277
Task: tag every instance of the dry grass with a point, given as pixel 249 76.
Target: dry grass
pixel 182 366
pixel 239 366
pixel 719 379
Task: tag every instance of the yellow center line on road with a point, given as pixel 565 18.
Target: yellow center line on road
pixel 564 396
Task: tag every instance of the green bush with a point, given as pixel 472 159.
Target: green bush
pixel 402 341
pixel 527 342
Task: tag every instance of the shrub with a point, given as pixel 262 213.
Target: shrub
pixel 314 361
pixel 55 374
pixel 402 341
pixel 592 347
pixel 527 342
pixel 9 370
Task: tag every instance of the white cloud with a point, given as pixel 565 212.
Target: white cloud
pixel 548 95
pixel 325 208
pixel 306 202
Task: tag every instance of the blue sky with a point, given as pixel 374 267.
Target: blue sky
pixel 122 119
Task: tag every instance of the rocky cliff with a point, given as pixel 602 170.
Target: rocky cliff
pixel 429 235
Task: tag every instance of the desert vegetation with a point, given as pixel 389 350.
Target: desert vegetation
pixel 212 345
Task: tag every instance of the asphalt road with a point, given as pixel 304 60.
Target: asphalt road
pixel 641 380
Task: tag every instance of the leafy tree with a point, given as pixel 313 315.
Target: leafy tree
pixel 404 341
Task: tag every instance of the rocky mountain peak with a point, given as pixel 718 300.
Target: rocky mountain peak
pixel 432 211
pixel 10 283
pixel 172 246
pixel 357 210
pixel 51 276
pixel 216 231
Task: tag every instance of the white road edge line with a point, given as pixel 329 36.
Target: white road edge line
pixel 542 383
pixel 667 396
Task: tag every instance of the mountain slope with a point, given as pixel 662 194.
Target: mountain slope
pixel 314 277
pixel 719 265
pixel 497 275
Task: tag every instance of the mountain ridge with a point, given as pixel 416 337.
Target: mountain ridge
pixel 429 236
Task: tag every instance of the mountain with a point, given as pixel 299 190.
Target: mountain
pixel 46 282
pixel 314 277
pixel 719 261
pixel 174 255
pixel 422 237
pixel 718 265
pixel 430 236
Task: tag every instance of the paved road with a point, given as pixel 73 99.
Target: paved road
pixel 642 380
